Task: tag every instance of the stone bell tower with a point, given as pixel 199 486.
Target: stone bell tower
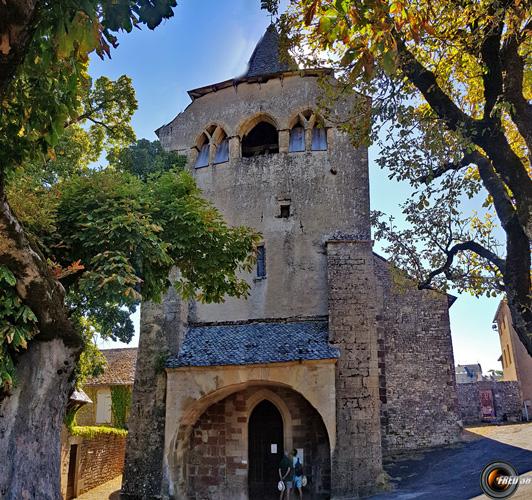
pixel 305 339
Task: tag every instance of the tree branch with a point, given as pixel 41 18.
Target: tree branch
pixel 446 167
pixel 488 133
pixel 473 246
pixel 513 74
pixel 512 171
pixel 492 77
pixel 501 200
pixel 102 124
pixel 425 81
pixel 87 115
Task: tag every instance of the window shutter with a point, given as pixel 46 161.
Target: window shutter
pixel 319 139
pixel 103 406
pixel 203 156
pixel 297 140
pixel 222 151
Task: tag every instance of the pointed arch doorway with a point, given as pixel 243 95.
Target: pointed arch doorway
pixel 265 450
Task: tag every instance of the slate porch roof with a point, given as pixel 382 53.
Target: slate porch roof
pixel 254 343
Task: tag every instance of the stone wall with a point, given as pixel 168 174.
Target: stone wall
pixel 327 191
pixel 218 440
pixel 99 459
pixel 417 386
pixel 506 397
pixel 357 459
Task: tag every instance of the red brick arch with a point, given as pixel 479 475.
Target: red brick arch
pixel 211 443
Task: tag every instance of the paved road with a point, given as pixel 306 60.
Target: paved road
pixel 106 491
pixel 453 473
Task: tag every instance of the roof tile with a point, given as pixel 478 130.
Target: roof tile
pixel 254 343
pixel 120 369
pixel 266 58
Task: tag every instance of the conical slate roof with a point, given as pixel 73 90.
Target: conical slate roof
pixel 266 62
pixel 266 58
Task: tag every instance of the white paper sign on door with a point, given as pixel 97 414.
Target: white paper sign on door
pixel 274 447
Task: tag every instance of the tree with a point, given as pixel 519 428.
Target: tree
pixel 80 245
pixel 496 374
pixel 145 158
pixel 450 88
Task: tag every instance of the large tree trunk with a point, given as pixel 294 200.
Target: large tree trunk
pixel 31 419
pixel 31 416
pixel 517 283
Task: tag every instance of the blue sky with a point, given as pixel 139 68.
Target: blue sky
pixel 209 41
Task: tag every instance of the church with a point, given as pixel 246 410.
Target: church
pixel 332 353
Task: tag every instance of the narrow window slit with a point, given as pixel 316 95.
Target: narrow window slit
pixel 261 262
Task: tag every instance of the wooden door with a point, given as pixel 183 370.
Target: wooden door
pixel 487 409
pixel 71 481
pixel 265 450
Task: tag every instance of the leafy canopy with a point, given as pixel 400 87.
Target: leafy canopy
pixel 45 93
pixel 112 235
pixel 450 85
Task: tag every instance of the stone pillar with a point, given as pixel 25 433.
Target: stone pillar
pixel 162 327
pixel 284 140
pixel 357 458
pixel 308 138
pixel 234 147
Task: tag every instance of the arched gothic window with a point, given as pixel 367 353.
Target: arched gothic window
pixel 319 137
pixel 297 137
pixel 308 132
pixel 262 139
pixel 212 146
pixel 203 147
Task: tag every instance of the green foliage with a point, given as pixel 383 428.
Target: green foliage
pixel 92 362
pixel 93 431
pixel 45 93
pixel 18 325
pixel 113 239
pixel 120 403
pixel 145 158
pixel 436 73
pixel 272 6
pixel 70 418
pixel 111 236
pixel 103 125
pixel 129 234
